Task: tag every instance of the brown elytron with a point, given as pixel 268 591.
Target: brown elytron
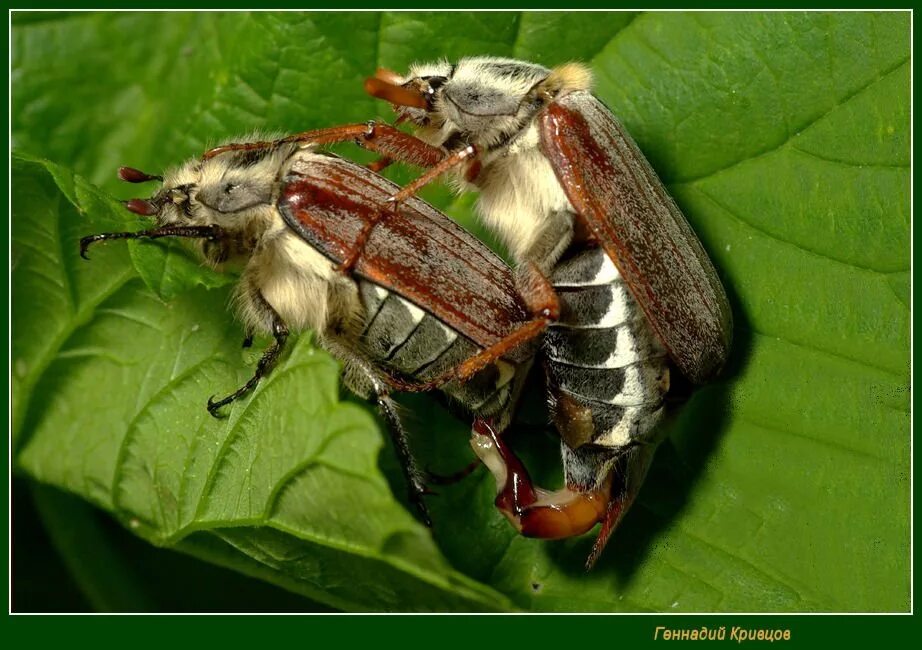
pixel 621 199
pixel 411 251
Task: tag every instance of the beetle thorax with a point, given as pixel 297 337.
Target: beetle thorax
pixel 493 104
pixel 522 201
pixel 486 101
pixel 300 283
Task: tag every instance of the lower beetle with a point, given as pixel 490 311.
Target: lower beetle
pixel 414 304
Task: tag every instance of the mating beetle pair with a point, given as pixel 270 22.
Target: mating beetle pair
pixel 613 288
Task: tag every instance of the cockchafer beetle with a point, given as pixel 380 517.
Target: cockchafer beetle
pixel 567 189
pixel 569 192
pixel 414 304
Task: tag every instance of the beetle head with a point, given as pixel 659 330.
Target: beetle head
pixel 483 101
pixel 234 190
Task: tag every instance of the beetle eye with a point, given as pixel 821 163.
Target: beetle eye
pixel 435 83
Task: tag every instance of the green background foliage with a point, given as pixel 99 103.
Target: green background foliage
pixel 782 487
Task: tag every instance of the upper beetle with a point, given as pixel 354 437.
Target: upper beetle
pixel 537 143
pixel 568 190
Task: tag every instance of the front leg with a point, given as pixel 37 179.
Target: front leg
pixel 435 170
pixel 383 139
pixel 266 362
pixel 209 233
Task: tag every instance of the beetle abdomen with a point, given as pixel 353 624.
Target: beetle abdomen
pixel 407 339
pixel 607 372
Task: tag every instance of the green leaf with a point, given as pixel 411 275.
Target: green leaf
pixel 782 487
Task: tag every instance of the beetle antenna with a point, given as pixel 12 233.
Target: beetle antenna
pixel 144 207
pixel 132 175
pixel 211 233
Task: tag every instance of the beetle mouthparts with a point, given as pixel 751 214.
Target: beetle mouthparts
pixel 141 206
pixel 396 95
pixel 132 175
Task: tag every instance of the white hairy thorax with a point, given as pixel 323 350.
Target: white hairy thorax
pixel 300 283
pixel 489 102
pixel 522 201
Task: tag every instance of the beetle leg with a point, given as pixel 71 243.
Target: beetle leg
pixel 200 232
pixel 474 364
pixel 537 291
pixel 379 137
pixel 330 135
pixel 504 346
pixel 397 146
pixel 539 295
pixel 369 381
pixel 266 362
pixel 380 164
pixel 532 511
pixel 454 477
pixel 444 165
pixel 416 485
pixel 384 139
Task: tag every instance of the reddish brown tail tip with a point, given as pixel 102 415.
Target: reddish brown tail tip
pixel 609 523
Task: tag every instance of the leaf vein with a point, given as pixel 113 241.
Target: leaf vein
pixel 130 430
pixel 54 348
pixel 234 426
pixel 847 163
pixel 821 441
pixel 798 590
pixel 799 130
pixel 814 348
pixel 736 216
